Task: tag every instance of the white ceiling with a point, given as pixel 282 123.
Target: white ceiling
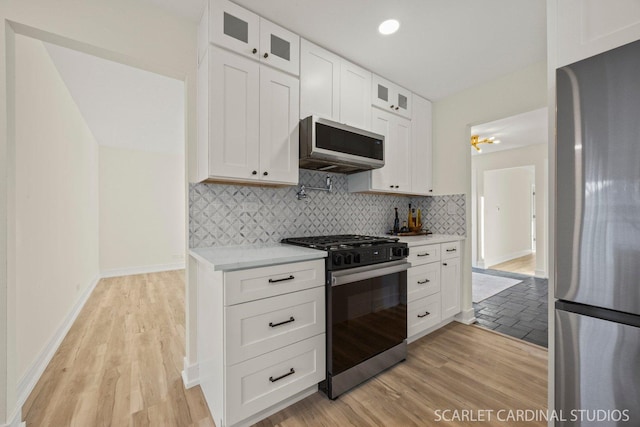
pixel 514 132
pixel 442 46
pixel 124 107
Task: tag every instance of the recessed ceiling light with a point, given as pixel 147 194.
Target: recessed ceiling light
pixel 389 26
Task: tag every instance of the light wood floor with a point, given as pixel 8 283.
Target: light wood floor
pixel 457 367
pixel 523 265
pixel 120 363
pixel 120 366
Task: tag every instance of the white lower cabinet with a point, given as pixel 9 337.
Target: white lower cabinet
pixel 261 338
pixel 433 287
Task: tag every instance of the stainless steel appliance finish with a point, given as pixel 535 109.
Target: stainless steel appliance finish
pixel 366 279
pixel 335 147
pixel 598 234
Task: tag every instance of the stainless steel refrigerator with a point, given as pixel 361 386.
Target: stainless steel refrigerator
pixel 597 282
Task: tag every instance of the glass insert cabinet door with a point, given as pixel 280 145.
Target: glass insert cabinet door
pixel 246 33
pixel 391 97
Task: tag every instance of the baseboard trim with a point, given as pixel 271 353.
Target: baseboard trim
pixel 504 258
pixel 144 269
pixel 540 274
pixel 190 374
pixel 467 316
pixel 35 371
pixel 16 419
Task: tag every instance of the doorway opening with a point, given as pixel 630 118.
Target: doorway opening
pixel 509 288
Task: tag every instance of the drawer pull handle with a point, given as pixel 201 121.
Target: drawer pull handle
pixel 426 313
pixel 451 250
pixel 273 325
pixel 291 372
pixel 422 282
pixel 445 264
pixel 281 280
pixel 424 254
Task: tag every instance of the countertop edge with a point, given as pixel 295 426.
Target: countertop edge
pixel 431 239
pixel 307 255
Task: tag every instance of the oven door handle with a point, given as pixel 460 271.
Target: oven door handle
pixel 368 272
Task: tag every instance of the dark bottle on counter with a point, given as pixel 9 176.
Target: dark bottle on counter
pixel 396 223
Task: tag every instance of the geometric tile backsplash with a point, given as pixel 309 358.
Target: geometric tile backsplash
pixel 221 214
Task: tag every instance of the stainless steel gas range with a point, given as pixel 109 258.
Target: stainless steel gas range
pixel 366 289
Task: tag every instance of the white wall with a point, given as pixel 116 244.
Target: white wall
pixel 507 214
pixel 56 202
pixel 536 155
pixel 129 31
pixel 514 93
pixel 142 217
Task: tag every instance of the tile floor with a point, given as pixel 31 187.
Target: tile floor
pixel 519 311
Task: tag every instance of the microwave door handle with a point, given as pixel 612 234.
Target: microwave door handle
pixel 343 277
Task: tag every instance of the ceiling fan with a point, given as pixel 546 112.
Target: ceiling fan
pixel 475 141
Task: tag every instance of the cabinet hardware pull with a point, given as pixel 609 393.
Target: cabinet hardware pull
pixel 397 108
pixel 423 281
pixel 426 313
pixel 266 55
pixel 265 173
pixel 392 106
pixel 451 250
pixel 254 173
pixel 445 264
pixel 424 254
pixel 254 50
pixel 281 280
pixel 397 186
pixel 273 325
pixel 291 372
pixel 391 186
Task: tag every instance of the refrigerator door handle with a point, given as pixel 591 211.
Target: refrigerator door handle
pixel 578 174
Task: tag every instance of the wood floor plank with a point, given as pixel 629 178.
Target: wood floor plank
pixel 120 365
pixel 522 265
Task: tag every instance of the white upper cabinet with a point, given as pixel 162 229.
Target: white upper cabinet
pixel 234 115
pixel 588 27
pixel 279 100
pixel 395 175
pixel 319 82
pixel 279 48
pixel 390 97
pixel 422 145
pixel 355 95
pixel 247 120
pixel 333 88
pixel 235 28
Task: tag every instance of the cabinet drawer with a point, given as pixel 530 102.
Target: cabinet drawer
pixel 257 327
pixel 422 314
pixel 423 280
pixel 256 283
pixel 450 250
pixel 424 254
pixel 263 381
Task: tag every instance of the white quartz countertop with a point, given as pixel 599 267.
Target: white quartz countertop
pixel 429 239
pixel 229 258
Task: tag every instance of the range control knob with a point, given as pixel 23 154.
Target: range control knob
pixel 348 258
pixel 337 259
pixel 356 258
pixel 397 251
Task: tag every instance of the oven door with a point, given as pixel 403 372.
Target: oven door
pixel 366 313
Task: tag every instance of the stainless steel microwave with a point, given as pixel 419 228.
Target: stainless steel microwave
pixel 335 147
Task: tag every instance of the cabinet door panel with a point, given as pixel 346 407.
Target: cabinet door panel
pixel 355 96
pixel 234 27
pixel 382 123
pixel 588 27
pixel 319 82
pixel 279 101
pixel 422 157
pixel 234 144
pixel 402 154
pixel 279 48
pixel 450 287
